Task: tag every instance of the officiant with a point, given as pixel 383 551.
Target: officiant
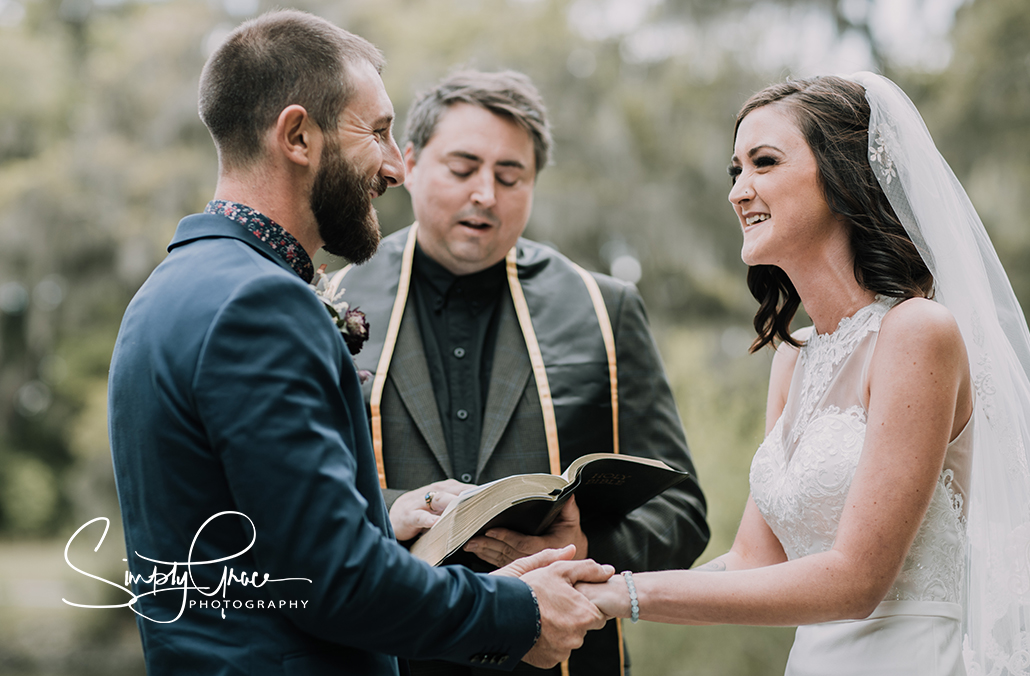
pixel 493 355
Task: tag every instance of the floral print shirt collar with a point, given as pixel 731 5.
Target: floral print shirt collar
pixel 268 231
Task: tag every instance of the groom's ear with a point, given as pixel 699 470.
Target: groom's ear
pixel 296 137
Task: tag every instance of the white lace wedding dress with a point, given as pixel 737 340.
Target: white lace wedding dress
pixel 800 478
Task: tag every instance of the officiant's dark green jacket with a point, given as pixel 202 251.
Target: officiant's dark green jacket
pixel 667 532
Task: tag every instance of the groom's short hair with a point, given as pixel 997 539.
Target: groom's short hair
pixel 278 59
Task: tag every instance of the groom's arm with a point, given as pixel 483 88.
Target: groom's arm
pixel 268 388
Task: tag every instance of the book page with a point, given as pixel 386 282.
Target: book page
pixel 576 464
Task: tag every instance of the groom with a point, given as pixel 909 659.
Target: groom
pixel 243 461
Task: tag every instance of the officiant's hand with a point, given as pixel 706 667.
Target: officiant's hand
pixel 565 614
pixel 501 546
pixel 415 512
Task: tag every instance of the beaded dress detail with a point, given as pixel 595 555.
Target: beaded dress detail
pixel 802 472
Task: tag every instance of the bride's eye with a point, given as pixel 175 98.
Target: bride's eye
pixel 734 171
pixel 765 161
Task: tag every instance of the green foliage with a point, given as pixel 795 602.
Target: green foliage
pixel 670 650
pixel 101 152
pixel 977 110
pixel 30 493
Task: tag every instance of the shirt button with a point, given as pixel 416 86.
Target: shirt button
pixel 459 352
pixel 466 478
pixel 462 414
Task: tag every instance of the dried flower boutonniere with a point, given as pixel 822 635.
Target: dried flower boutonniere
pixel 352 323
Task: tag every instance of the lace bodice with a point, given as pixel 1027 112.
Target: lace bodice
pixel 802 472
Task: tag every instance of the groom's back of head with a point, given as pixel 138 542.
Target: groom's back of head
pixel 278 59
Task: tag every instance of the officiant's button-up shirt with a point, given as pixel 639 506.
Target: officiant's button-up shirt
pixel 457 317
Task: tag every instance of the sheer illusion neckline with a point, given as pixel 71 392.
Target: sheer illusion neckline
pixel 847 324
pixel 822 354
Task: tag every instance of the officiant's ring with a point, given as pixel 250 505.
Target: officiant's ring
pixel 429 498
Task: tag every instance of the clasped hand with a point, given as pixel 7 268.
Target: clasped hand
pixel 566 615
pixel 610 596
pixel 543 562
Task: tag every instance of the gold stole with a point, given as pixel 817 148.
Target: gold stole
pixel 535 358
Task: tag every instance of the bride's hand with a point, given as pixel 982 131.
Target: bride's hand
pixel 611 597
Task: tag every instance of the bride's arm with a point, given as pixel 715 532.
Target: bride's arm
pixel 919 398
pixel 755 545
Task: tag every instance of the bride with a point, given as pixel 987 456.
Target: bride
pixel 890 500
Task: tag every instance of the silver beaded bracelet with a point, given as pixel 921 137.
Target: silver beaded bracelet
pixel 634 604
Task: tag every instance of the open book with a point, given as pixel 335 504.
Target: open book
pixel 606 485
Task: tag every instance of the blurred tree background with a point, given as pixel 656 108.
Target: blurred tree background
pixel 101 152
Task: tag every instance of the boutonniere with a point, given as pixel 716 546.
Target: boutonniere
pixel 352 323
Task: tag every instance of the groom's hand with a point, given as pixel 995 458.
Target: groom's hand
pixel 412 513
pixel 565 614
pixel 501 546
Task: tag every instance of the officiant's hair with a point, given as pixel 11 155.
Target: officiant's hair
pixel 832 114
pixel 278 59
pixel 507 93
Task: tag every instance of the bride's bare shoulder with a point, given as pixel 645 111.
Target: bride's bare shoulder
pixel 920 330
pixel 920 322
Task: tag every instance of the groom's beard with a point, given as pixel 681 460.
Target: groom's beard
pixel 342 203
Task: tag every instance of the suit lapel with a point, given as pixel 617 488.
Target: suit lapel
pixel 409 372
pixel 508 377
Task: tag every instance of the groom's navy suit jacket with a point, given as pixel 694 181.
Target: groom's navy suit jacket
pixel 232 393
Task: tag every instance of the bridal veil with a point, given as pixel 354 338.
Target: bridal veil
pixel 970 281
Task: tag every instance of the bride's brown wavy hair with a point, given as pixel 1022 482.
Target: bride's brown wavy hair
pixel 833 115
